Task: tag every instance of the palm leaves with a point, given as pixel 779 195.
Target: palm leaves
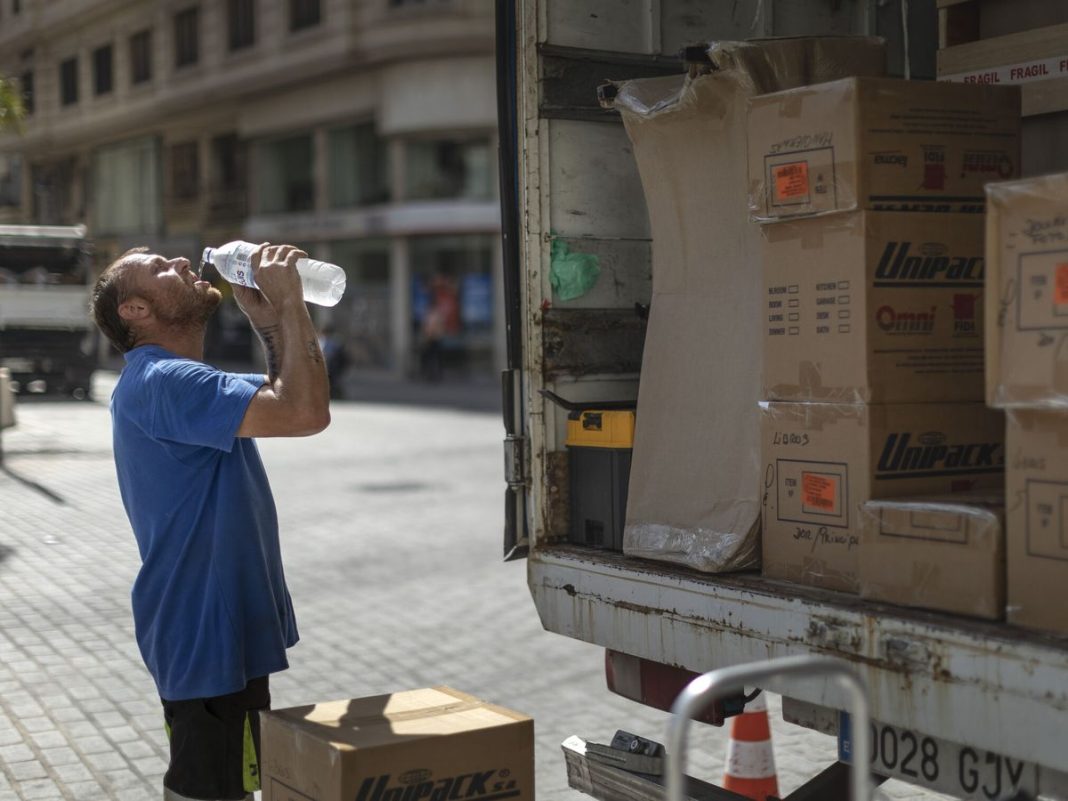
pixel 12 109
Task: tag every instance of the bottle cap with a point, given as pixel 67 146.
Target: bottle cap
pixel 208 256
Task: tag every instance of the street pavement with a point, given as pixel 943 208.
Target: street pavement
pixel 391 533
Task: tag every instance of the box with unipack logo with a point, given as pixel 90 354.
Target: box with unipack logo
pixel 431 744
pixel 875 307
pixel 945 553
pixel 822 461
pixel 1027 272
pixel 880 143
pixel 1036 487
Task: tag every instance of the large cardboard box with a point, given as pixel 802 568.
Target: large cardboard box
pixel 419 744
pixel 1027 272
pixel 943 553
pixel 879 307
pixel 1036 488
pixel 695 473
pixel 880 143
pixel 823 460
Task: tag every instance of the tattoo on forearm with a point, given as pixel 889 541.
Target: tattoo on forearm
pixel 314 352
pixel 269 336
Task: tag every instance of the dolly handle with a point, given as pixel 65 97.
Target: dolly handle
pixel 720 683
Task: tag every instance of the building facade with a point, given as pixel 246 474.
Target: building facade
pixel 361 130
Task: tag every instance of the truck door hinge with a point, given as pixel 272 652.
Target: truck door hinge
pixel 514 462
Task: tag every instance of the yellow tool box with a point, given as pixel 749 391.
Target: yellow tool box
pixel 600 437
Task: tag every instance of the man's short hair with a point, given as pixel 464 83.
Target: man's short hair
pixel 109 292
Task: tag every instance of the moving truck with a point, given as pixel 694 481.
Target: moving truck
pixel 969 707
pixel 46 339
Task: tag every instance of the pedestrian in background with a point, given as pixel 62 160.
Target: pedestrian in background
pixel 337 358
pixel 212 613
pixel 442 320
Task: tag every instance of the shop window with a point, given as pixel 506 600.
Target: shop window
pixel 242 23
pixel 449 168
pixel 126 189
pixel 68 82
pixel 102 69
pixel 303 14
pixel 452 303
pixel 187 37
pixel 141 57
pixel 185 170
pixel 284 174
pixel 359 167
pixel 26 81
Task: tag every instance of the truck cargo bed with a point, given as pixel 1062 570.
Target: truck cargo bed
pixel 990 685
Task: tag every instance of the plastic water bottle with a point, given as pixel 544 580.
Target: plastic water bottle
pixel 323 283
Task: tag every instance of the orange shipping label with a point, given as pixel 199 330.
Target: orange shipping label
pixel 1060 285
pixel 819 491
pixel 790 181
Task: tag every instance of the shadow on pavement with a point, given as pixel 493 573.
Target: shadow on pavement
pixel 31 484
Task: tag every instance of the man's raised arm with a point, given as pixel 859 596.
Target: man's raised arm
pixel 295 401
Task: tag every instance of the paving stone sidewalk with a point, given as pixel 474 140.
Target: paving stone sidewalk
pixel 391 535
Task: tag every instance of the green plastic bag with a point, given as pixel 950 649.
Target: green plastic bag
pixel 572 274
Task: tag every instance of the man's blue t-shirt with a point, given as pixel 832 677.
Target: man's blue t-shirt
pixel 210 604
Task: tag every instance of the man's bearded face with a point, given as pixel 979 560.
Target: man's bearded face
pixel 179 298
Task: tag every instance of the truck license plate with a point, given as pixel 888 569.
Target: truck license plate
pixel 940 765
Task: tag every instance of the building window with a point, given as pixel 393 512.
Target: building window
pixel 102 69
pixel 53 192
pixel 242 21
pixel 229 175
pixel 185 171
pixel 27 91
pixel 303 14
pixel 68 82
pixel 284 172
pixel 10 180
pixel 125 187
pixel 358 167
pixel 362 321
pixel 141 57
pixel 186 37
pixel 448 168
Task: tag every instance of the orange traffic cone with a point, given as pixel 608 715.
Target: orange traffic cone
pixel 750 767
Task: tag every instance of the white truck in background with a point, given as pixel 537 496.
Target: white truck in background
pixel 969 708
pixel 47 341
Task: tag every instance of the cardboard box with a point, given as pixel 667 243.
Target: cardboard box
pixel 1027 271
pixel 701 373
pixel 879 307
pixel 823 460
pixel 1036 487
pixel 880 143
pixel 941 553
pixel 419 744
